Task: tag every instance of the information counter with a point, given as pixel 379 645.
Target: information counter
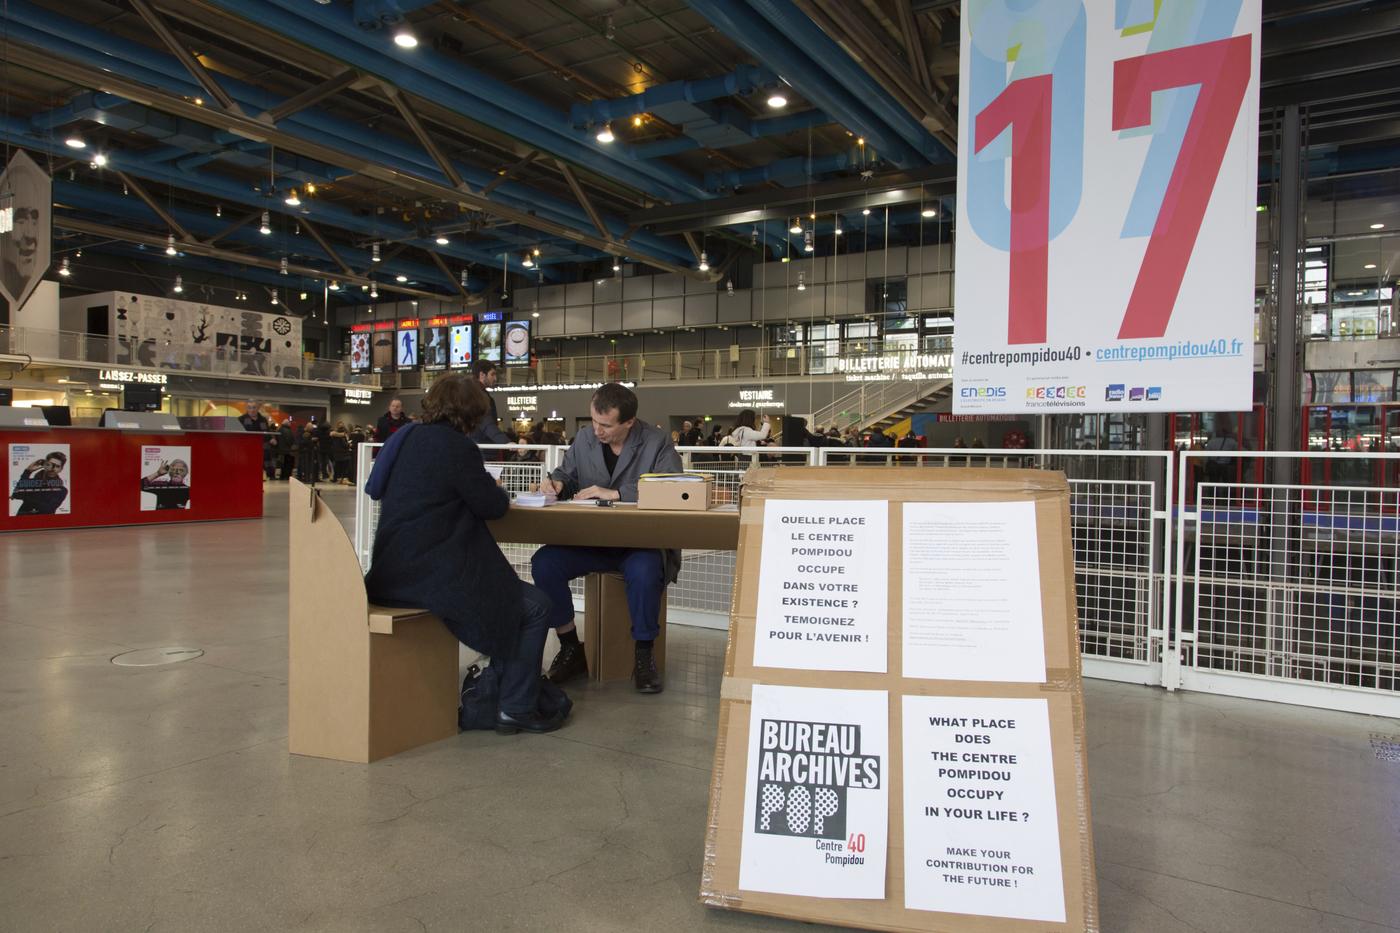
pixel 86 477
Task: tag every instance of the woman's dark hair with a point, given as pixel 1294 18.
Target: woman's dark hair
pixel 746 418
pixel 613 397
pixel 458 401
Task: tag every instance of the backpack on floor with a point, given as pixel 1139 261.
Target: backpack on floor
pixel 481 698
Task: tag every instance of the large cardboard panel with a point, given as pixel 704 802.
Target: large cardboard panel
pixel 607 629
pixel 1062 691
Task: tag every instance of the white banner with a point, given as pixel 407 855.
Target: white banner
pixel 1107 176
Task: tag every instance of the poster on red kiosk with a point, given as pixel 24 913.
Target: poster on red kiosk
pixel 40 477
pixel 165 478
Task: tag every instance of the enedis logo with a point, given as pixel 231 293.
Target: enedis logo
pixel 983 392
pixel 1057 392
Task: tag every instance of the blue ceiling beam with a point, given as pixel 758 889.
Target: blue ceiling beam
pixel 58 35
pixel 741 82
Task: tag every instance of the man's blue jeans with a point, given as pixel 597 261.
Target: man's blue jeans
pixel 554 565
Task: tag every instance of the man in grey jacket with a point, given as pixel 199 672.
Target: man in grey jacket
pixel 605 463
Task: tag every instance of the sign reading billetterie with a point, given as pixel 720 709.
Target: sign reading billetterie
pixel 1107 168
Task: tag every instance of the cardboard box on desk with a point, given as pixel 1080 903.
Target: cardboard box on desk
pixel 901 731
pixel 690 493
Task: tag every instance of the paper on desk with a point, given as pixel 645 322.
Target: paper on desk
pixel 673 477
pixel 532 500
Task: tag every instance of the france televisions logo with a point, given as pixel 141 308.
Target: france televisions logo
pixel 1114 393
pixel 1137 394
pixel 806 771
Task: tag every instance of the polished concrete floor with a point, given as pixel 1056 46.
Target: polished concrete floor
pixel 163 798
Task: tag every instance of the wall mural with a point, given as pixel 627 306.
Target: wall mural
pixel 173 334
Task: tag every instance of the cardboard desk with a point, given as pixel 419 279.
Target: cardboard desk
pixel 619 525
pixel 607 638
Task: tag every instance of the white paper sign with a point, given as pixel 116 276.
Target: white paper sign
pixel 972 592
pixel 821 590
pixel 816 794
pixel 981 829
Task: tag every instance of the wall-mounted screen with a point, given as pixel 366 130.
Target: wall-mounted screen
pixel 435 348
pixel 517 343
pixel 359 353
pixel 406 349
pixel 382 351
pixel 489 342
pixel 461 351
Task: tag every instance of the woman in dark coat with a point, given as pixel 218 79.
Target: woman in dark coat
pixel 432 547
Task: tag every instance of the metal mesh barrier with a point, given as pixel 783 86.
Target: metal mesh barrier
pixel 1114 537
pixel 1296 583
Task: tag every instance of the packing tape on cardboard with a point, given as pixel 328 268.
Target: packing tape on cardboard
pixel 737 688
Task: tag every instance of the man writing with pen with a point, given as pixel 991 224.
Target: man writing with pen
pixel 605 463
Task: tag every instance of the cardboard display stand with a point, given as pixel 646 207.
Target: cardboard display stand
pixel 607 629
pixel 910 755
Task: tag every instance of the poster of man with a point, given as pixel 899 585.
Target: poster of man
pixel 165 478
pixel 26 249
pixel 39 479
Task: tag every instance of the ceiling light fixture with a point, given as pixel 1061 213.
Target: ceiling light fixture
pixel 334 286
pixel 373 290
pixel 310 188
pixel 75 142
pixel 99 160
pixel 865 212
pixel 801 281
pixel 303 296
pixel 528 262
pixel 637 120
pixel 292 199
pixel 777 101
pixel 534 314
pixel 405 39
pixel 617 265
pixel 928 212
pixel 374 252
pixel 274 296
pixel 282 268
pixel 796 226
pixel 179 285
pixel 170 244
pixel 605 135
pixel 464 278
pixel 1369 265
pixel 442 240
pixel 807 244
pixel 1377 226
pixel 266 228
pixel 218 210
pixel 400 278
pixel 63 269
pixel 704 261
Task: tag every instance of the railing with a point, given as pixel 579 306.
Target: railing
pixel 873 401
pixel 870 364
pixel 1286 592
pixel 61 346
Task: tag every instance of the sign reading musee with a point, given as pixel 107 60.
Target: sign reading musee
pixel 1107 163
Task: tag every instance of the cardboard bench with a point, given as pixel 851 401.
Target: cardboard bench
pixel 364 682
pixel 607 629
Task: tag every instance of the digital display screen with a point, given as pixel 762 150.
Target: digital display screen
pixel 382 351
pixel 406 352
pixel 461 351
pixel 359 353
pixel 489 339
pixel 517 343
pixel 434 348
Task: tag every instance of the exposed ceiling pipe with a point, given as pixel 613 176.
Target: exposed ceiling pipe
pixel 454 86
pixel 743 80
pixel 758 37
pixel 41 29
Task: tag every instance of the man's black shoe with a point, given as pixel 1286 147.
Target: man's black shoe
pixel 644 675
pixel 568 663
pixel 506 724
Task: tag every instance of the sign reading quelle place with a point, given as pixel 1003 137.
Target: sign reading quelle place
pixel 1107 170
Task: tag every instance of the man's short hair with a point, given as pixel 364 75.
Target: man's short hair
pixel 482 367
pixel 613 397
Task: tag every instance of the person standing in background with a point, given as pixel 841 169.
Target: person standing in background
pixel 390 421
pixel 489 431
pixel 255 421
pixel 287 447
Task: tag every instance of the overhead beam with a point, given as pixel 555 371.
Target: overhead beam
pixel 1335 30
pixel 78 225
pixel 192 64
pixel 238 224
pixel 1342 87
pixel 154 205
pixel 914 44
pixel 326 246
pixel 396 97
pixel 250 128
pixel 583 199
pixel 312 96
pixel 690 241
pixel 1360 56
pixel 456 283
pixel 507 174
pixel 844 195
